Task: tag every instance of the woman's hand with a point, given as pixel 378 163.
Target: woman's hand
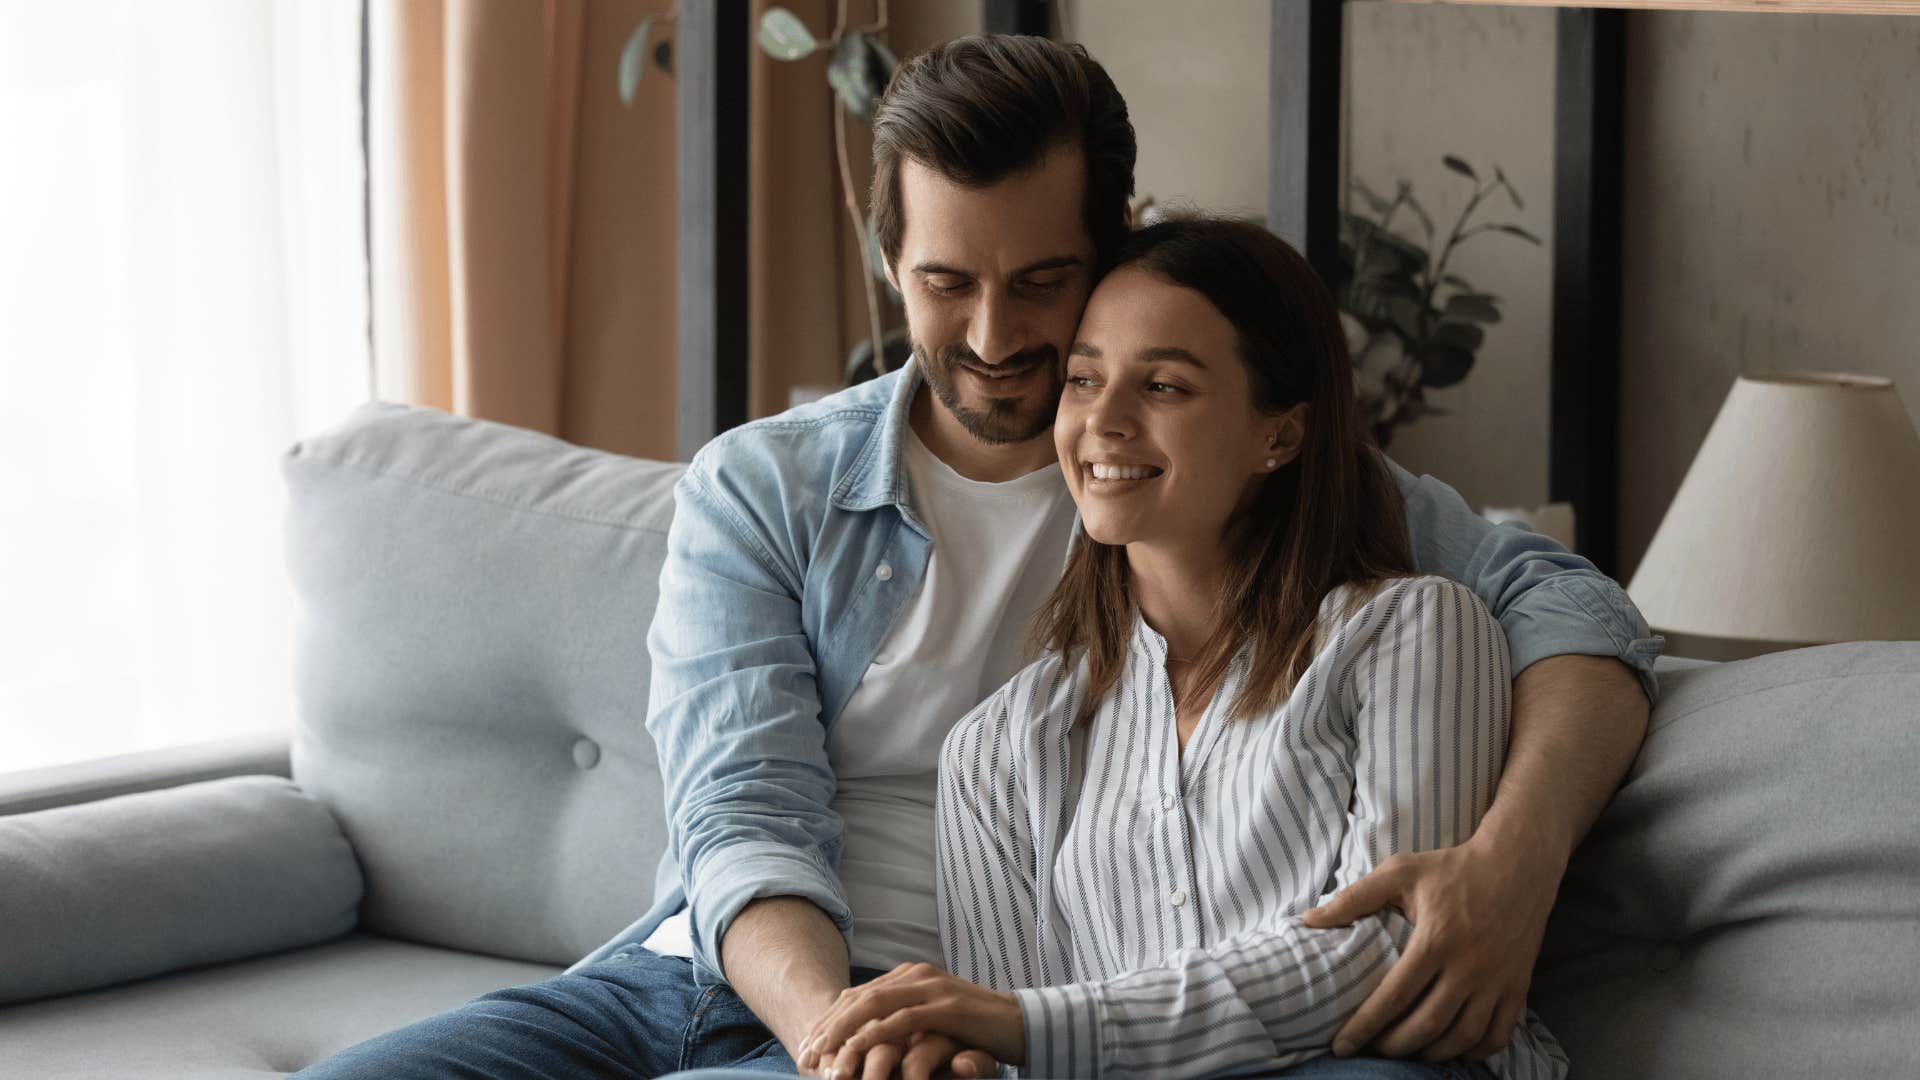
pixel 922 1057
pixel 915 1000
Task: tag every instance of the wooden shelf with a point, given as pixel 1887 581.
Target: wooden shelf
pixel 1799 7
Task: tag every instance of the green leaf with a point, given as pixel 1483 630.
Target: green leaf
pixel 1457 282
pixel 633 60
pixel 1515 230
pixel 663 56
pixel 1420 212
pixel 1512 192
pixel 1374 202
pixel 1460 167
pixel 1405 312
pixel 1457 335
pixel 882 57
pixel 895 351
pixel 783 36
pixel 853 74
pixel 1442 366
pixel 1471 307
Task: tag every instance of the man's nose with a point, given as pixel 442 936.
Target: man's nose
pixel 993 334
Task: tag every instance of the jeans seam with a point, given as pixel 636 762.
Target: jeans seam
pixel 691 1037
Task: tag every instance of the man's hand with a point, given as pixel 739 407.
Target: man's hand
pixel 915 1002
pixel 1478 917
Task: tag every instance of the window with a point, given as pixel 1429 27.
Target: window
pixel 182 295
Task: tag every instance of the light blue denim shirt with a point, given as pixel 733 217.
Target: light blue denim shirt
pixel 792 550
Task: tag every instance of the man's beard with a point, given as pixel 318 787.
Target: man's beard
pixel 1004 420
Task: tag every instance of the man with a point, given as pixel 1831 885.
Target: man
pixel 846 580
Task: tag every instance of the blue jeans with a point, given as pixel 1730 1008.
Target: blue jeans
pixel 640 1016
pixel 1320 1068
pixel 635 1017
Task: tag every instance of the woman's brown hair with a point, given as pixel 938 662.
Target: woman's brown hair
pixel 1331 516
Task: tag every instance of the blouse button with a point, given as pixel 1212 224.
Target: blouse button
pixel 1166 802
pixel 1177 897
pixel 883 572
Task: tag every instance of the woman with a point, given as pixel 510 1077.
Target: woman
pixel 1246 702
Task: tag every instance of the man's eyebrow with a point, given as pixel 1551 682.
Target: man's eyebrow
pixel 1058 262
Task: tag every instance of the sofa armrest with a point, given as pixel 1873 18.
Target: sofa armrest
pixel 140 885
pixel 27 790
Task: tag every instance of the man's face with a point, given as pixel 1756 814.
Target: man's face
pixel 994 280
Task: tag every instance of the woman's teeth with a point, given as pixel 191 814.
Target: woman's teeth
pixel 1123 472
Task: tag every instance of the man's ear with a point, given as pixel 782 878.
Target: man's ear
pixel 886 265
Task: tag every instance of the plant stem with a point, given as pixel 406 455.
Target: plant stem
pixel 1438 269
pixel 859 231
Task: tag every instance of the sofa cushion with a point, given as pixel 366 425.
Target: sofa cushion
pixel 1748 905
pixel 138 885
pixel 259 1018
pixel 471 671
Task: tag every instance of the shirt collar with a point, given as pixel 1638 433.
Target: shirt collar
pixel 878 476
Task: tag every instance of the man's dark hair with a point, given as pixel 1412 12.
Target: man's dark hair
pixel 979 109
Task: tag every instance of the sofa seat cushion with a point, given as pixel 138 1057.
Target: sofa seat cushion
pixel 256 1018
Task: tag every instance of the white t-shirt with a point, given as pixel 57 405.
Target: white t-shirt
pixel 997 552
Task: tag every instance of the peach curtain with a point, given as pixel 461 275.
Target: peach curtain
pixel 522 219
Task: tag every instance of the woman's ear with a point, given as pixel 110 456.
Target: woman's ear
pixel 1285 436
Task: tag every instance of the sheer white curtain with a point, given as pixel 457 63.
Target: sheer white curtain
pixel 182 294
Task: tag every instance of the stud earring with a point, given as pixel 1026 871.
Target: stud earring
pixel 1271 463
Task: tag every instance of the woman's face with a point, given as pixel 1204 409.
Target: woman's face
pixel 1157 432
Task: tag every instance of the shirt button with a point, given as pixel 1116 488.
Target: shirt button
pixel 1177 897
pixel 883 572
pixel 1166 802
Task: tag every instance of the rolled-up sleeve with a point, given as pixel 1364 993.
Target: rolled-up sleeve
pixel 1549 601
pixel 734 710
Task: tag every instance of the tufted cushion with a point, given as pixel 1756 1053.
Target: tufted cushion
pixel 1750 903
pixel 472 675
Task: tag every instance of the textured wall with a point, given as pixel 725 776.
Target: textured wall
pixel 1772 221
pixel 1477 82
pixel 1772 200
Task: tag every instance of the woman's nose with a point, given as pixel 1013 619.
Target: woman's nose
pixel 1111 416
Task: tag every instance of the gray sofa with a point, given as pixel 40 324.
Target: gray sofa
pixel 469 801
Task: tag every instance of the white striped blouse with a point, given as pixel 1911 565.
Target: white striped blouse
pixel 1144 903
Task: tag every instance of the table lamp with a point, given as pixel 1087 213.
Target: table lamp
pixel 1797 524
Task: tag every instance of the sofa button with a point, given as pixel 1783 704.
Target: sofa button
pixel 883 572
pixel 586 753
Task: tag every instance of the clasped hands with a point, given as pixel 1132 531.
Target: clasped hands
pixel 917 1022
pixel 1457 990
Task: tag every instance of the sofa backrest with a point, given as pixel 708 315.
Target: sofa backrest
pixel 472 675
pixel 1749 905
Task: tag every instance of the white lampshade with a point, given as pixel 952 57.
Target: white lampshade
pixel 1797 524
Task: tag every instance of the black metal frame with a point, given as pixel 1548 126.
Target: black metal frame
pixel 1584 435
pixel 710 71
pixel 1017 17
pixel 1303 151
pixel 1588 141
